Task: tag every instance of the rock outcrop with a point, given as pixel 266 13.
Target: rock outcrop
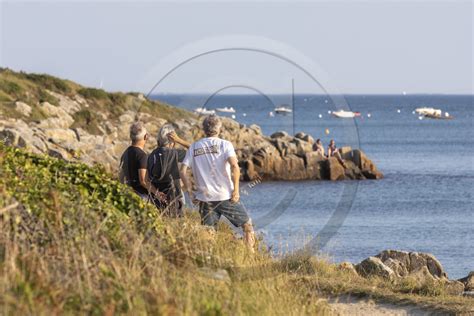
pixel 468 282
pixel 77 128
pixel 421 268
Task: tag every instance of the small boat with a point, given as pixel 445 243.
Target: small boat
pixel 226 110
pixel 428 111
pixel 433 113
pixel 282 110
pixel 204 111
pixel 345 114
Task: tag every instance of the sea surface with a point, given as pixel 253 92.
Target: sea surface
pixel 424 203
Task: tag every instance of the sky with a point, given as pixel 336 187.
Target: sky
pixel 351 47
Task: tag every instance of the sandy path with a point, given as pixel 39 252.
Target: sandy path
pixel 358 307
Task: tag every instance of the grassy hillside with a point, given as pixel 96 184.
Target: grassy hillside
pixel 72 239
pixel 32 89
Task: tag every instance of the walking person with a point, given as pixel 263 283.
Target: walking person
pixel 216 174
pixel 163 171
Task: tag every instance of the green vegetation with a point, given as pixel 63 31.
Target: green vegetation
pixel 87 120
pixel 92 93
pixel 34 89
pixel 49 82
pixel 74 240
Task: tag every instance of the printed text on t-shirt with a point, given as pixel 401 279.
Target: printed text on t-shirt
pixel 214 149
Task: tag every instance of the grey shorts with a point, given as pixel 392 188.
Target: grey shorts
pixel 211 212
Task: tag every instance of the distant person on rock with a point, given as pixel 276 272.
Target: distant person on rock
pixel 318 147
pixel 133 162
pixel 216 173
pixel 163 171
pixel 333 151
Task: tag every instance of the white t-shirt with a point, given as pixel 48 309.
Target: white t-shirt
pixel 208 160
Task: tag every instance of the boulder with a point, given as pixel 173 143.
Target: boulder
pixel 405 263
pixel 57 117
pixel 257 129
pixel 347 267
pixel 60 135
pixel 373 266
pixel 23 108
pixel 313 161
pixel 335 170
pixel 66 103
pixel 285 147
pixel 302 147
pixel 281 134
pixel 368 168
pixel 453 287
pixel 468 282
pixel 423 268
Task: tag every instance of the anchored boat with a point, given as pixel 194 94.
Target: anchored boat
pixel 283 110
pixel 345 114
pixel 204 111
pixel 226 110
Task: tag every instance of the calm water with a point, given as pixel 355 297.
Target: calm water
pixel 424 203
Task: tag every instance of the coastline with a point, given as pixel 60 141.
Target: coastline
pixel 75 123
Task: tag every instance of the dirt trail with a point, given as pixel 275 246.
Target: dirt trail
pixel 357 307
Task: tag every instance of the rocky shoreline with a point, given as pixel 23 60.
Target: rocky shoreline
pixel 414 268
pixel 278 157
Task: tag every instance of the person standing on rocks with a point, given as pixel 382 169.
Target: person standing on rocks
pixel 133 162
pixel 216 172
pixel 163 170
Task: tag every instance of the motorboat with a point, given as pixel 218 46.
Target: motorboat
pixel 433 113
pixel 345 114
pixel 428 111
pixel 283 110
pixel 226 110
pixel 204 111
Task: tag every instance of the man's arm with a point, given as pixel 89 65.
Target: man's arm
pixel 234 167
pixel 175 138
pixel 145 182
pixel 187 182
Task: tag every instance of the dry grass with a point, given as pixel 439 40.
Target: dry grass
pixel 78 242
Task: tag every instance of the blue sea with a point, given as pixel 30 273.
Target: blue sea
pixel 423 204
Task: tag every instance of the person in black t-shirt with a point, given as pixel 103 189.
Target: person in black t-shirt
pixel 163 170
pixel 133 163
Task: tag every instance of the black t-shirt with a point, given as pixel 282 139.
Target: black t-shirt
pixel 133 159
pixel 163 168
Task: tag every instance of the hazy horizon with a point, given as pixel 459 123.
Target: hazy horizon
pixel 349 48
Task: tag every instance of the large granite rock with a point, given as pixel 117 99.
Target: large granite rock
pixel 373 266
pixel 423 268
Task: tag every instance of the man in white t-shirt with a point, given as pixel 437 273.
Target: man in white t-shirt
pixel 216 173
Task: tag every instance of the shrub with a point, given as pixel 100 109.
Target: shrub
pixel 88 121
pixel 49 82
pixel 93 93
pixel 10 87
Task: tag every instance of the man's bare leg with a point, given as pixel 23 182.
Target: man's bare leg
pixel 249 235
